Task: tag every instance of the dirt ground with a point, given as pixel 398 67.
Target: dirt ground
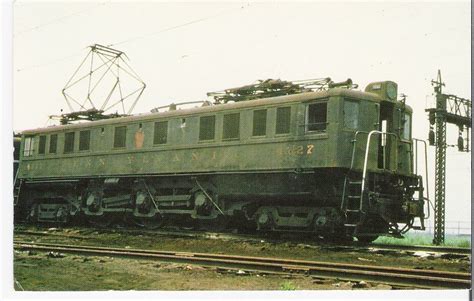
pixel 42 272
pixel 47 272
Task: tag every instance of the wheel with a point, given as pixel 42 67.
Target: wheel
pixel 150 223
pixel 221 223
pixel 367 238
pixel 32 216
pixel 218 224
pixel 100 221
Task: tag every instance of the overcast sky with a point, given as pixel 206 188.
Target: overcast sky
pixel 183 50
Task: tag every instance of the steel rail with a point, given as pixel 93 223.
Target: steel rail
pixel 436 249
pixel 397 276
pixel 232 236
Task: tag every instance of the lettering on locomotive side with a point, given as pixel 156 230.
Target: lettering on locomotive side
pixel 296 150
pixel 194 157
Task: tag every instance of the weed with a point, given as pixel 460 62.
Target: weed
pixel 287 286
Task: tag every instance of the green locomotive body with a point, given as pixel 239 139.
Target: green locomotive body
pixel 299 162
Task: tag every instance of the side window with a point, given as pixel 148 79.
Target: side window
pixel 207 127
pixel 161 132
pixel 28 147
pixel 351 114
pixel 259 123
pixel 120 136
pixel 84 140
pixel 231 126
pixel 316 117
pixel 283 119
pixel 42 145
pixel 69 142
pixel 406 127
pixel 53 143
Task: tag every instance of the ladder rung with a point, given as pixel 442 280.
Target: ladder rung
pixel 355 182
pixel 353 196
pixel 352 210
pixel 350 225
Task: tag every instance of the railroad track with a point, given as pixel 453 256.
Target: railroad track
pixel 355 246
pixel 350 272
pixel 413 248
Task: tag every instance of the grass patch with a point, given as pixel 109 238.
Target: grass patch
pixel 422 239
pixel 287 286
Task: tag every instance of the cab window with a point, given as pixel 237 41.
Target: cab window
pixel 259 122
pixel 231 126
pixel 53 143
pixel 283 120
pixel 406 127
pixel 69 142
pixel 84 140
pixel 207 128
pixel 316 117
pixel 120 136
pixel 42 145
pixel 28 147
pixel 351 114
pixel 161 132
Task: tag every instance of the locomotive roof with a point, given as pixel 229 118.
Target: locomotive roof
pixel 216 108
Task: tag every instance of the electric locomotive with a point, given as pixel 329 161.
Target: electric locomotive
pixel 276 156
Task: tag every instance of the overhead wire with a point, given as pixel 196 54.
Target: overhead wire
pixel 55 61
pixel 199 20
pixel 51 62
pixel 59 19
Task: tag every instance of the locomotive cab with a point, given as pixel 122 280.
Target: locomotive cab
pixel 394 122
pixel 385 189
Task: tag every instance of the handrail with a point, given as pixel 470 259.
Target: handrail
pixel 354 146
pixel 416 140
pixel 354 141
pixel 16 175
pixel 15 198
pixel 364 171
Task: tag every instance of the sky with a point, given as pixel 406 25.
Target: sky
pixel 184 50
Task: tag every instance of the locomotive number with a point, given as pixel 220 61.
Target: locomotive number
pixel 296 150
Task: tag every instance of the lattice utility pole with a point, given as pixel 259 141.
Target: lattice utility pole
pixel 454 110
